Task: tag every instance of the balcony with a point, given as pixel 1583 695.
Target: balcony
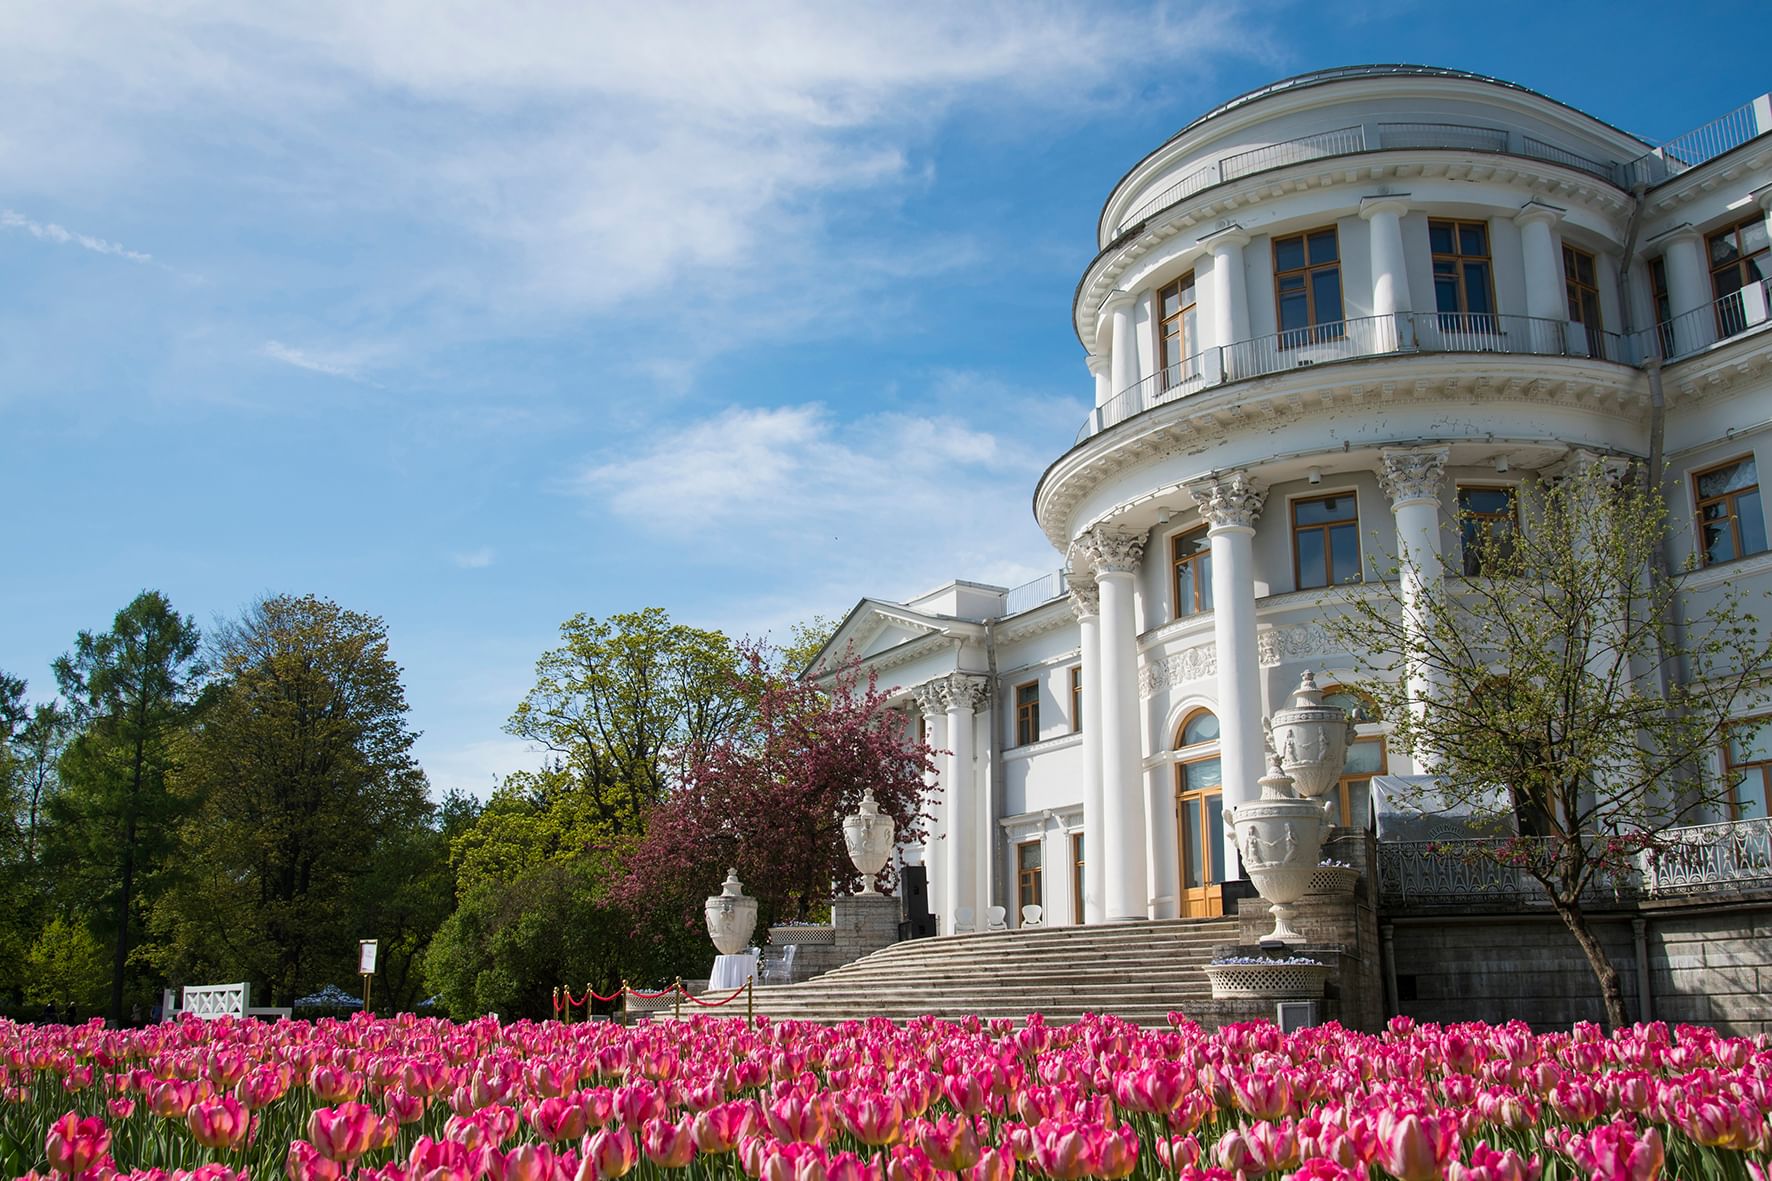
pixel 1029 595
pixel 1699 862
pixel 1406 333
pixel 1416 333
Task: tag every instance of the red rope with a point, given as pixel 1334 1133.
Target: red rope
pixel 652 996
pixel 695 1000
pixel 597 996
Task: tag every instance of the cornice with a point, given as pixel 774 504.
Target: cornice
pixel 1676 191
pixel 1545 181
pixel 1711 577
pixel 1032 749
pixel 1721 368
pixel 1370 383
pixel 1037 621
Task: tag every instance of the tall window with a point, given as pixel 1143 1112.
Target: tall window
pixel 1740 256
pixel 1731 522
pixel 1027 874
pixel 1365 758
pixel 1178 334
pixel 1027 713
pixel 1582 286
pixel 1076 698
pixel 1464 276
pixel 1076 877
pixel 1326 540
pixel 1664 304
pixel 1307 287
pixel 1487 518
pixel 1199 814
pixel 1191 554
pixel 1747 756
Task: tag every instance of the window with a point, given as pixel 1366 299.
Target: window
pixel 1488 518
pixel 1076 698
pixel 1199 812
pixel 1191 554
pixel 1076 877
pixel 1307 288
pixel 1365 758
pixel 1731 523
pixel 1027 713
pixel 1740 256
pixel 1027 874
pixel 1178 333
pixel 1664 304
pixel 1747 760
pixel 1464 277
pixel 1326 540
pixel 1581 284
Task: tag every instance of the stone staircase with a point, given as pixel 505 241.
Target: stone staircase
pixel 1138 971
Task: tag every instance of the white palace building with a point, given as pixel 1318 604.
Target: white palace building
pixel 1328 321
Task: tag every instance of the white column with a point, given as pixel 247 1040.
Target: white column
pixel 1688 290
pixel 1086 605
pixel 1229 504
pixel 1230 300
pixel 1412 480
pixel 965 854
pixel 1546 298
pixel 1100 368
pixel 931 697
pixel 1390 268
pixel 1123 352
pixel 1115 558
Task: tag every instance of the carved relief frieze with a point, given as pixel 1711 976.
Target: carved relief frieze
pixel 1168 672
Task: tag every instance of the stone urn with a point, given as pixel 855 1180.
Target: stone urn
pixel 731 916
pixel 868 835
pixel 1310 739
pixel 1280 840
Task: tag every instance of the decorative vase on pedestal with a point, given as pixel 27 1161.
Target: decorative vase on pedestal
pixel 1280 840
pixel 868 835
pixel 1310 739
pixel 731 916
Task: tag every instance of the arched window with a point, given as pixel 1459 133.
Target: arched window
pixel 1365 758
pixel 1199 809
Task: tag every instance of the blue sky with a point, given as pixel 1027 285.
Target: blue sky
pixel 476 316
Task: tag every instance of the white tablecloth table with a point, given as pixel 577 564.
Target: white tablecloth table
pixel 731 971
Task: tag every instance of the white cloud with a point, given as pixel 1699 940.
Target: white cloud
pixel 346 364
pixel 474 767
pixel 477 559
pixel 50 232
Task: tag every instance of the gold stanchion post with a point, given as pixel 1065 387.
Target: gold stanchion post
pixel 677 1001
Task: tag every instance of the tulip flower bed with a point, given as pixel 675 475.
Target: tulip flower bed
pixel 722 1099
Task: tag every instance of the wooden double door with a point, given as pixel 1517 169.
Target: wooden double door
pixel 1199 816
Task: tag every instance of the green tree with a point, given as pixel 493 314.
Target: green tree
pixel 36 752
pixel 302 786
pixel 134 691
pixel 1547 719
pixel 625 706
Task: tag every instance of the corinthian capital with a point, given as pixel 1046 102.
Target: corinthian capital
pixel 1111 552
pixel 967 690
pixel 1085 600
pixel 932 697
pixel 1231 500
pixel 1412 475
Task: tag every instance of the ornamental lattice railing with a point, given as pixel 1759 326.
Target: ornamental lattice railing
pixel 1711 858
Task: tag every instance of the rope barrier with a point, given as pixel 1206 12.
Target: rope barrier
pixel 652 996
pixel 597 996
pixel 695 1000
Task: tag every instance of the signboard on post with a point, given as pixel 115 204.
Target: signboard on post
pixel 366 956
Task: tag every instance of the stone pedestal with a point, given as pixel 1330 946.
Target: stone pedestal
pixel 865 923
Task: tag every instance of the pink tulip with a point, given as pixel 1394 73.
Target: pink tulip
pixel 343 1133
pixel 719 1129
pixel 1486 1164
pixel 558 1118
pixel 219 1123
pixel 1415 1146
pixel 874 1118
pixel 332 1085
pixel 804 1121
pixel 74 1145
pixel 526 1162
pixel 1262 1095
pixel 1616 1152
pixel 1113 1154
pixel 1062 1151
pixel 304 1163
pixel 906 1163
pixel 609 1153
pixel 1272 1146
pixel 950 1142
pixel 666 1144
pixel 994 1164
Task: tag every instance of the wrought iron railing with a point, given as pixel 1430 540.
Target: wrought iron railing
pixel 1031 594
pixel 1461 871
pixel 1367 336
pixel 1725 133
pixel 1539 150
pixel 1733 314
pixel 1442 135
pixel 1709 858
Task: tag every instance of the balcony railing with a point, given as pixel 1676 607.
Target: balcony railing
pixel 1442 135
pixel 1029 595
pixel 1692 860
pixel 1343 340
pixel 1732 315
pixel 1711 858
pixel 1748 121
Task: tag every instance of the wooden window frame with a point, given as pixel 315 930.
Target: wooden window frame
pixel 1699 502
pixel 1314 331
pixel 1662 299
pixel 1027 714
pixel 1466 557
pixel 1372 718
pixel 1171 370
pixel 1209 750
pixel 1326 528
pixel 1202 587
pixel 1730 319
pixel 1763 767
pixel 1463 319
pixel 1584 295
pixel 1022 875
pixel 1077 850
pixel 1076 675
